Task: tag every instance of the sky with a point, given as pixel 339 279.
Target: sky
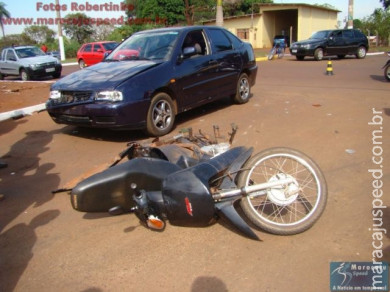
pixel 36 9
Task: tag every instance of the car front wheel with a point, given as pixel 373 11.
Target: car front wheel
pixel 361 53
pixel 319 54
pixel 24 75
pixel 161 115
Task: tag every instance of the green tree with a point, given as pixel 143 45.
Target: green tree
pixel 78 26
pixel 385 3
pixel 15 39
pixel 40 34
pixel 378 23
pixel 147 11
pixel 4 13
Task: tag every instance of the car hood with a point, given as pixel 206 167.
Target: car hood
pixel 309 42
pixel 103 76
pixel 38 60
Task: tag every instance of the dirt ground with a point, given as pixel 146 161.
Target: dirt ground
pixel 17 94
pixel 45 245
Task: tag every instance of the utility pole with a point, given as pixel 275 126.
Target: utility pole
pixel 219 16
pixel 60 37
pixel 350 14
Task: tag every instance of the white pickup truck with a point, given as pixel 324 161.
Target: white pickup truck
pixel 28 62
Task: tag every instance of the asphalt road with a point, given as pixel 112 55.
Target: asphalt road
pixel 47 246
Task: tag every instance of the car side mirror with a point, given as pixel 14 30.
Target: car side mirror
pixel 187 52
pixel 105 55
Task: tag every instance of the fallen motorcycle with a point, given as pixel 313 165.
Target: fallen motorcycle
pixel 192 180
pixel 387 68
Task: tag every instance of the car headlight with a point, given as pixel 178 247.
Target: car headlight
pixel 34 66
pixel 55 94
pixel 113 96
pixel 307 46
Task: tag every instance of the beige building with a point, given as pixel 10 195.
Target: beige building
pixel 298 21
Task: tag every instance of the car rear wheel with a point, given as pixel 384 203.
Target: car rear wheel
pixel 361 52
pixel 24 75
pixel 81 64
pixel 161 115
pixel 243 90
pixel 319 54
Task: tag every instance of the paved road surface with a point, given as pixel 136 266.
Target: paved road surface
pixel 47 246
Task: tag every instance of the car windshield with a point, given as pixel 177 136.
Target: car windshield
pixel 320 35
pixel 29 52
pixel 109 46
pixel 150 46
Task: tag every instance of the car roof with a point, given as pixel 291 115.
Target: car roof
pixel 180 28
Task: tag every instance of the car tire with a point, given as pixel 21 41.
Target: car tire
pixel 82 64
pixel 300 58
pixel 361 52
pixel 24 75
pixel 1 76
pixel 319 54
pixel 57 75
pixel 243 90
pixel 161 115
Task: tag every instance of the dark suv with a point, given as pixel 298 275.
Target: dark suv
pixel 340 42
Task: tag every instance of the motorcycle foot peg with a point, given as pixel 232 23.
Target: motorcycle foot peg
pixel 117 210
pixel 155 223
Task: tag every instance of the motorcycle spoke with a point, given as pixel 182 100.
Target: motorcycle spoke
pixel 292 211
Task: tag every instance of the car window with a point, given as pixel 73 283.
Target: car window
pixel 320 35
pixel 336 34
pixel 220 41
pixel 10 55
pixel 196 39
pixel 109 46
pixel 348 34
pixel 151 45
pixel 359 34
pixel 97 47
pixel 234 39
pixel 88 48
pixel 29 52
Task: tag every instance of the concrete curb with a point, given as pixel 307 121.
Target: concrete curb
pixel 20 113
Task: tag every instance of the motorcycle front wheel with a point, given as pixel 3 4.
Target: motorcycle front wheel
pixel 285 209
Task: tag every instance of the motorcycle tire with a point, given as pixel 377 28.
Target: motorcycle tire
pixel 289 209
pixel 387 72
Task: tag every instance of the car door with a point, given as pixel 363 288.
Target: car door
pixel 88 54
pixel 10 66
pixel 194 74
pixel 227 63
pixel 98 53
pixel 336 43
pixel 351 43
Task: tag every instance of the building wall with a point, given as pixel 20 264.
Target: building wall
pixel 311 20
pixel 301 21
pixel 251 25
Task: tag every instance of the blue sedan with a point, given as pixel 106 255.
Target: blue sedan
pixel 153 76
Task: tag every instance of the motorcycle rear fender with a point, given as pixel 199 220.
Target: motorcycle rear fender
pixel 112 187
pixel 186 193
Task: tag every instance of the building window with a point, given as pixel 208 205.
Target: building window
pixel 243 33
